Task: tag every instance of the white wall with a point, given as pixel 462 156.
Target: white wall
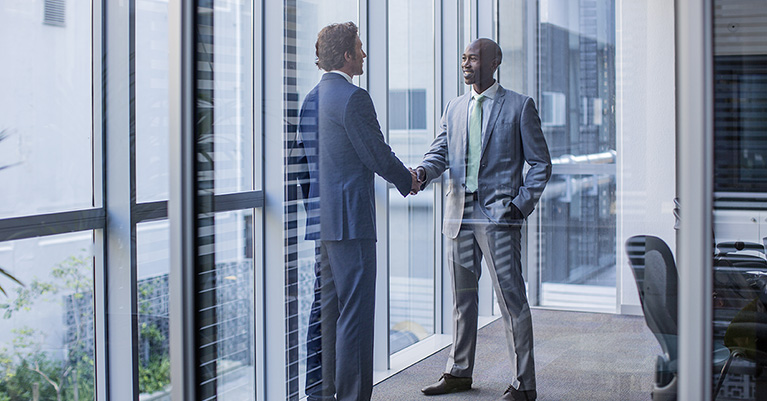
pixel 646 126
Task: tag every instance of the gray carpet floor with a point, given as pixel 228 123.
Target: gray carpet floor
pixel 579 356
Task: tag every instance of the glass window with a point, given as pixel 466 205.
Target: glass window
pixel 153 264
pixel 151 100
pixel 228 305
pixel 602 237
pixel 47 342
pixel 567 62
pixel 411 130
pixel 46 124
pixel 228 101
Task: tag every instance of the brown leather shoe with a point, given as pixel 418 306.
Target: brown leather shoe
pixel 512 394
pixel 448 384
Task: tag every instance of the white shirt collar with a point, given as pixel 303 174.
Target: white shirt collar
pixel 489 92
pixel 341 73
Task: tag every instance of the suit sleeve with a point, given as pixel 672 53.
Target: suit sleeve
pixel 435 161
pixel 368 141
pixel 305 142
pixel 536 154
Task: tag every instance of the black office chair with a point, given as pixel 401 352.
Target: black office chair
pixel 657 279
pixel 740 304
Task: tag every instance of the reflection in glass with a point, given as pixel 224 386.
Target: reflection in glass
pixel 224 146
pixel 232 344
pixel 46 125
pixel 47 340
pixel 411 130
pixel 740 220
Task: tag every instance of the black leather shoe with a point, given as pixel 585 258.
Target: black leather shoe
pixel 448 384
pixel 512 394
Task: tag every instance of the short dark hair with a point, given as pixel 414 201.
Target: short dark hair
pixel 333 42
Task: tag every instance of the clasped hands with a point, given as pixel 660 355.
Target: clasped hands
pixel 418 176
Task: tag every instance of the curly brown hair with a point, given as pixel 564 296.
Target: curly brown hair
pixel 333 42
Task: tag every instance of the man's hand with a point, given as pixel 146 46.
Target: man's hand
pixel 419 178
pixel 415 185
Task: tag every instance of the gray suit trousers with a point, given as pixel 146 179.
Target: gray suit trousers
pixel 500 246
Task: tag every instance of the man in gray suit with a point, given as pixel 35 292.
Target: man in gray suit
pixel 486 137
pixel 342 146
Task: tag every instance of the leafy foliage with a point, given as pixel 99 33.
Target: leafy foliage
pixel 3 136
pixel 27 365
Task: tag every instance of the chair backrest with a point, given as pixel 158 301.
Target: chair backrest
pixel 657 280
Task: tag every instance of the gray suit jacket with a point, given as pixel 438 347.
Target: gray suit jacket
pixel 513 136
pixel 342 145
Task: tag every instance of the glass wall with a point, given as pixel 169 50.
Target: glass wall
pixel 567 62
pixel 411 130
pixel 599 72
pixel 47 154
pixel 740 210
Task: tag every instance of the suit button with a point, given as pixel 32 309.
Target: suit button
pixel 463 185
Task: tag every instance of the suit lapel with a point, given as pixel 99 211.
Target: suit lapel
pixel 494 113
pixel 462 120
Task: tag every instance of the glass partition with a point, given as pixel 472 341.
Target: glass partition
pixel 740 203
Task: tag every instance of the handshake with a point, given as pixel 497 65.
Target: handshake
pixel 418 176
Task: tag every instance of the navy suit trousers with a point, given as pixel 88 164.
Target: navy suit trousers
pixel 346 306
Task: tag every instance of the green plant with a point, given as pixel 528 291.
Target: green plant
pixel 10 276
pixel 3 136
pixel 28 365
pixel 155 375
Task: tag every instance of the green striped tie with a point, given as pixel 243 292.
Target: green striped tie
pixel 475 143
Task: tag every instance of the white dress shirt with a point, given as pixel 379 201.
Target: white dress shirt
pixel 487 105
pixel 343 74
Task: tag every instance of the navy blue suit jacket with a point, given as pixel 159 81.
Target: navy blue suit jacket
pixel 343 146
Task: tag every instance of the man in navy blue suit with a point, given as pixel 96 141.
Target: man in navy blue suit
pixel 341 142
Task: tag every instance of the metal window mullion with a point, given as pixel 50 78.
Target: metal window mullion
pixel 450 78
pixel 273 212
pixel 98 26
pixel 181 204
pixel 119 252
pixel 694 111
pixel 18 228
pixel 377 22
pixel 439 25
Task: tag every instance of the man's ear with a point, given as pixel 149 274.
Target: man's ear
pixel 348 56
